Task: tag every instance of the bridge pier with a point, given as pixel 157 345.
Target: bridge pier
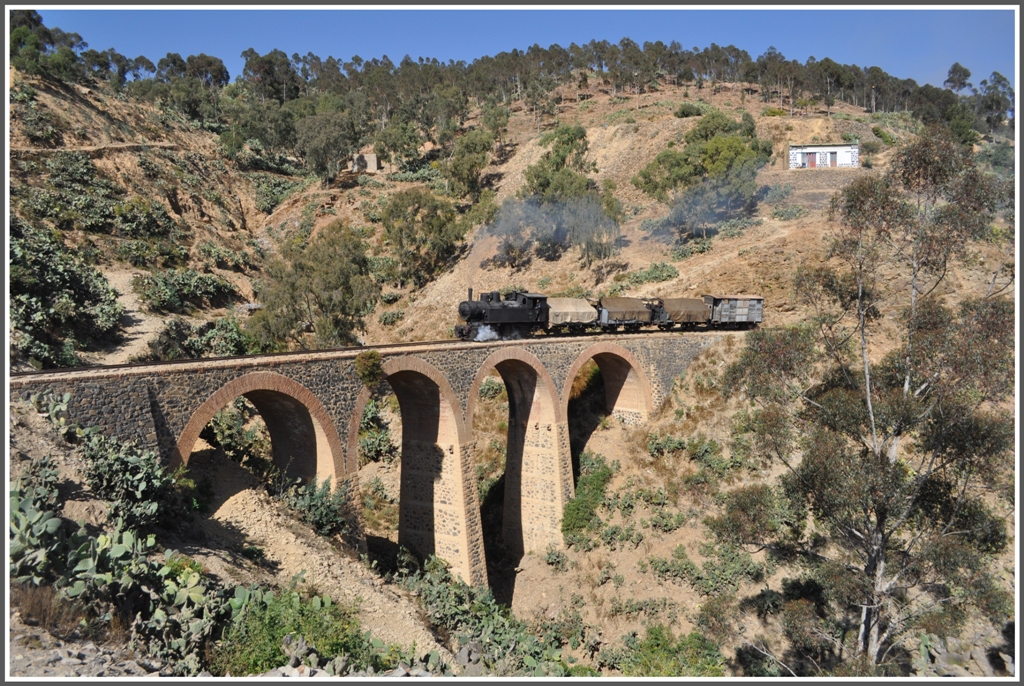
pixel 437 510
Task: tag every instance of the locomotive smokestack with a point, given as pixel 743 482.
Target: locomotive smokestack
pixel 470 296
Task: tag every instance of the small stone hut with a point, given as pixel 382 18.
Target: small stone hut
pixel 366 163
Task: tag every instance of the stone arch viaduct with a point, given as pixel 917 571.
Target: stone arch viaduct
pixel 312 403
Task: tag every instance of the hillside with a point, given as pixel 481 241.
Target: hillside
pixel 228 215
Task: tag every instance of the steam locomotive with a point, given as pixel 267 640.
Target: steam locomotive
pixel 518 314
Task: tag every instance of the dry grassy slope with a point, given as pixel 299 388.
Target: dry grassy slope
pixel 621 148
pixel 217 200
pixel 187 175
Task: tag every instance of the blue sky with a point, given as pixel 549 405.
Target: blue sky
pixel 917 44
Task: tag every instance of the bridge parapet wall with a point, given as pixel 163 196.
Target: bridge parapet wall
pixel 152 403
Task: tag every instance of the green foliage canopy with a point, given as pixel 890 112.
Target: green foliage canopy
pixel 423 232
pixel 58 303
pixel 324 287
pixel 559 174
pixel 895 459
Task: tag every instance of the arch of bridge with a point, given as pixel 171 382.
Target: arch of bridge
pixel 626 387
pixel 297 421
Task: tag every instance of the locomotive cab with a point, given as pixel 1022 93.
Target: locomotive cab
pixel 513 315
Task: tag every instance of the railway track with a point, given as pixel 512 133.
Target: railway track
pixel 389 347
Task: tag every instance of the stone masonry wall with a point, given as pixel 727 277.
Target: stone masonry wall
pixel 152 404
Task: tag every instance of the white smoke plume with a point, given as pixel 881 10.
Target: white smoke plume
pixel 486 333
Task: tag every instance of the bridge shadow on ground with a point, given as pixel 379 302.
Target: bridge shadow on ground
pixel 382 553
pixel 501 562
pixel 587 407
pixel 211 531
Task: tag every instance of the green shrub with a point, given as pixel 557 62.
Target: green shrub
pixel 577 291
pixel 580 513
pixel 380 509
pixel 632 608
pixel 690 248
pixel 249 447
pixel 733 228
pixel 660 654
pixel 424 174
pixel 491 388
pixel 190 496
pixel 467 613
pixel 689 109
pixel 884 135
pixel 657 272
pixel 390 318
pixel 327 511
pixel 254 644
pixel 658 446
pixel 725 568
pixel 391 297
pixel 271 190
pixel 222 337
pixel 139 218
pixel 368 181
pixel 133 481
pixel 38 123
pixel 37 540
pixel 77 197
pixel 773 112
pixel 376 445
pixel 788 212
pixel 384 269
pixel 870 147
pixel 850 137
pixel 180 290
pixel 57 303
pixel 707 454
pixel 512 288
pixel 776 193
pixel 556 558
pixel 173 611
pixel 22 92
pixel 666 522
pixel 151 252
pixel 651 225
pixel 616 537
pixel 368 368
pixel 237 260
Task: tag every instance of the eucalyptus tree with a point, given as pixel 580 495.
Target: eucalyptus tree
pixel 898 452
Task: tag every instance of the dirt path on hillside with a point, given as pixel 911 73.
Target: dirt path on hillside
pixel 139 326
pixel 95 148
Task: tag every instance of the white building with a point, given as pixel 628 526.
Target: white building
pixel 816 156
